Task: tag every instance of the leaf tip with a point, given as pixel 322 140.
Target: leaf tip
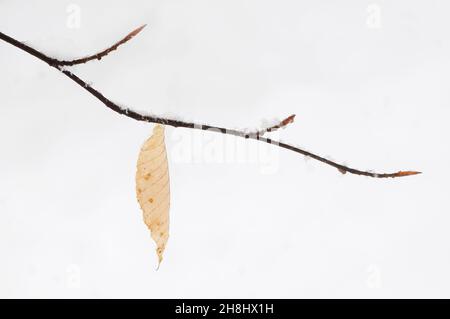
pixel 159 263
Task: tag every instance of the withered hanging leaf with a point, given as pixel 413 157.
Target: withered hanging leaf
pixel 153 188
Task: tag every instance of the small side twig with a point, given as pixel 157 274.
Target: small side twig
pixel 100 55
pixel 59 65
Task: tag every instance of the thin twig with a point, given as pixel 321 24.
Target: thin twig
pixel 59 65
pixel 100 55
pixel 273 128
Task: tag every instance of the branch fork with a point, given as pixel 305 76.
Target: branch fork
pixel 62 66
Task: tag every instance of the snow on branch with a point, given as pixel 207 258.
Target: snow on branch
pixel 259 135
pixel 100 55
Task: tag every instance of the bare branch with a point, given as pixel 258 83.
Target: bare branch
pixel 100 55
pixel 275 127
pixel 176 123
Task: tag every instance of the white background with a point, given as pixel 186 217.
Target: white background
pixel 369 82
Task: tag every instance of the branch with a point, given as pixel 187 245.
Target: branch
pixel 273 128
pixel 105 52
pixel 59 65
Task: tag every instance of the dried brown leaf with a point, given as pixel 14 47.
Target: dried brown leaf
pixel 153 188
